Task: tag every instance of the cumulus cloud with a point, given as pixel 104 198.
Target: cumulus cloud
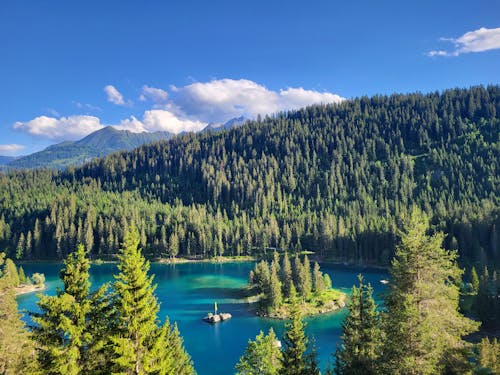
pixel 154 94
pixel 10 149
pixel 163 120
pixel 63 128
pixel 479 40
pixel 220 100
pixel 114 96
pixel 183 109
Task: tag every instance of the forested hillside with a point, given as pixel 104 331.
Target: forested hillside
pixel 332 179
pixel 97 144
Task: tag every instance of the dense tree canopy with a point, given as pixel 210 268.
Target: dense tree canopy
pixel 329 178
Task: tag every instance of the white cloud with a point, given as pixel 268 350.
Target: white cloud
pixel 162 120
pixel 132 124
pixel 63 128
pixel 187 108
pixel 221 100
pixel 479 40
pixel 154 94
pixel 114 96
pixel 10 149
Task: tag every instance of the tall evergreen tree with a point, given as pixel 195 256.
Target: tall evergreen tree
pixel 286 276
pixel 360 334
pixel 262 356
pixel 474 280
pixel 294 360
pixel 140 345
pixel 61 326
pixel 16 348
pixel 423 327
pixel 275 296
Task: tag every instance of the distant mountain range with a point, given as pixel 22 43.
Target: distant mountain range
pixel 97 144
pixel 233 123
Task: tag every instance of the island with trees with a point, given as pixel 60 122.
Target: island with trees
pixel 275 285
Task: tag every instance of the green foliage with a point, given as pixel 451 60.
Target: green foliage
pixel 281 284
pixel 10 272
pixel 16 348
pixel 486 304
pixel 61 331
pixel 22 275
pixel 474 280
pixel 488 359
pixel 361 337
pixel 333 179
pixel 262 356
pixel 38 278
pixel 140 345
pixel 295 361
pixel 423 328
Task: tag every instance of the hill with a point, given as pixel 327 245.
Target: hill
pixel 97 144
pixel 6 159
pixel 329 178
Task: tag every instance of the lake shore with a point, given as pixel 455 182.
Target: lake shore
pixel 24 289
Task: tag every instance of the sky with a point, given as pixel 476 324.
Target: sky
pixel 68 68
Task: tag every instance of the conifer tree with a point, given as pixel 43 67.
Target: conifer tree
pixel 286 276
pixel 262 356
pixel 474 280
pixel 307 278
pixel 318 280
pixel 10 272
pixel 294 360
pixel 488 359
pixel 140 345
pixel 22 275
pixel 61 326
pixel 423 328
pixel 360 334
pixel 16 348
pixel 275 296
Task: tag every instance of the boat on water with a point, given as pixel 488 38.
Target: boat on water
pixel 383 281
pixel 216 316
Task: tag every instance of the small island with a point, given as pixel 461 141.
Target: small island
pixel 217 317
pixel 274 285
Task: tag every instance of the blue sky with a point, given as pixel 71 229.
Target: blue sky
pixel 70 67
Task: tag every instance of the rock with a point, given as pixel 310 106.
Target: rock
pixel 225 316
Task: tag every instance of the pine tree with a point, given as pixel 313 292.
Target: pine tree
pixel 262 356
pixel 10 272
pixel 61 326
pixel 22 275
pixel 318 280
pixel 140 345
pixel 286 276
pixel 360 334
pixel 294 360
pixel 16 348
pixel 307 278
pixel 275 296
pixel 423 327
pixel 488 358
pixel 474 280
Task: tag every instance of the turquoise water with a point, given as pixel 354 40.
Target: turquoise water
pixel 187 292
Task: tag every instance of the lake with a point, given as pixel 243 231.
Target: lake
pixel 188 291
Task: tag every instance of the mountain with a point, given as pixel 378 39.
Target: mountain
pixel 97 144
pixel 6 159
pixel 233 123
pixel 338 180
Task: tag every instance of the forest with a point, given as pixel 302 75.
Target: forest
pixel 332 179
